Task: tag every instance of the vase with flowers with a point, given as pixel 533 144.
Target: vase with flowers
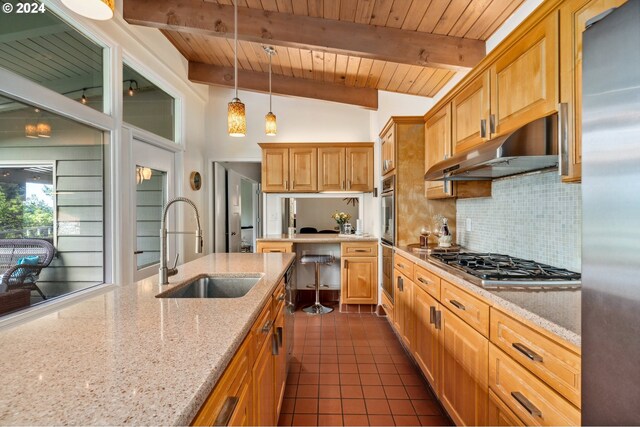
pixel 341 218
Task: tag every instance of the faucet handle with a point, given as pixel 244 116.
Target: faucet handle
pixel 175 262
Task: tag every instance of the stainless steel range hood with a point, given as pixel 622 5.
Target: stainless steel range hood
pixel 530 148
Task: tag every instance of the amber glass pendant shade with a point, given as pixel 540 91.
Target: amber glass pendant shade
pixel 271 127
pixel 31 130
pixel 44 130
pixel 100 10
pixel 236 119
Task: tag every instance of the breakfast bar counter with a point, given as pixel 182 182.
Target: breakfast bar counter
pixel 127 357
pixel 317 238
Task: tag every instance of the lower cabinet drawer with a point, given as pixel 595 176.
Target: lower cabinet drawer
pixel 531 400
pixel 469 308
pixel 387 306
pixel 274 247
pixel 500 414
pixel 359 249
pixel 262 327
pixel 427 281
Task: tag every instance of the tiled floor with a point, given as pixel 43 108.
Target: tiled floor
pixel 350 369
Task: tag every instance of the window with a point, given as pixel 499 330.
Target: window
pixel 147 106
pixel 51 189
pixel 46 50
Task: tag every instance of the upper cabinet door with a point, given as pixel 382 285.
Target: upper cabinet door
pixel 470 109
pixel 524 80
pixel 573 17
pixel 388 151
pixel 332 169
pixel 359 169
pixel 438 148
pixel 303 168
pixel 275 170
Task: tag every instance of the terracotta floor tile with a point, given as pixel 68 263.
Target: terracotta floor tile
pixel 367 368
pixel 287 406
pixel 353 406
pixel 328 350
pixel 307 390
pixel 294 367
pixel 293 378
pixel 305 420
pixel 382 358
pixel 381 420
pixel 348 368
pixel 290 390
pixel 349 379
pixel 395 392
pixel 379 350
pixel 309 378
pixel 362 350
pixel 398 407
pixel 330 420
pixel 351 392
pixel 347 358
pixel 373 392
pixel 306 406
pixel 399 358
pixel 329 368
pixel 426 420
pixel 346 350
pixel 365 358
pixel 329 406
pixel 310 368
pixel 285 419
pixel 377 406
pixel 406 420
pixel 390 379
pixel 328 358
pixel 405 368
pixel 419 392
pixel 355 420
pixel 386 368
pixel 312 343
pixel 329 391
pixel 370 379
pixel 311 358
pixel 411 379
pixel 426 407
pixel 332 379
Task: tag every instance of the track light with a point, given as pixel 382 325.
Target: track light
pixel 84 98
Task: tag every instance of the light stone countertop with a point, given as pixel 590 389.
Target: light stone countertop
pixel 317 238
pixel 126 357
pixel 556 311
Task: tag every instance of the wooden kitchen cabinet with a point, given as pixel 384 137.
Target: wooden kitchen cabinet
pixel 303 169
pixel 359 169
pixel 359 280
pixel 524 79
pixel 573 17
pixel 499 413
pixel 274 247
pixel 275 170
pixel 438 147
pixel 388 149
pixel 403 315
pixel 427 341
pixel 332 172
pixel 264 402
pixel 280 358
pixel 470 110
pixel 464 379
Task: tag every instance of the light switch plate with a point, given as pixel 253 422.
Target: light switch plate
pixel 468 225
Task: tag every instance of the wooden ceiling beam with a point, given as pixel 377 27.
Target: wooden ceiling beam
pixel 283 29
pixel 283 85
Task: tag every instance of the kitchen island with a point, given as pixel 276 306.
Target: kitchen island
pixel 127 357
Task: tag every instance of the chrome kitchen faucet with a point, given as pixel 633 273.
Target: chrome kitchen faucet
pixel 164 271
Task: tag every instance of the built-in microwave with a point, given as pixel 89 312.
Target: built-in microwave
pixel 388 234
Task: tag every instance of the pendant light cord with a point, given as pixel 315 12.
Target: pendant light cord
pixel 235 44
pixel 270 55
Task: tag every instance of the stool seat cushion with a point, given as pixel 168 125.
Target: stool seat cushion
pixel 320 259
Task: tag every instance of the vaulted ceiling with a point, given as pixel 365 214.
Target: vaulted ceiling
pixel 337 50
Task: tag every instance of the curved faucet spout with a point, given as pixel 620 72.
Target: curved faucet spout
pixel 164 271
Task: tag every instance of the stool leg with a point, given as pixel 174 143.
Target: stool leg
pixel 317 308
pixel 317 284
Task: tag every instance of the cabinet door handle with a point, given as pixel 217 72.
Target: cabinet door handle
pixel 530 354
pixel 342 185
pixel 492 123
pixel 349 184
pixel 526 404
pixel 275 349
pixel 279 331
pixel 281 297
pixel 563 139
pixel 267 326
pixel 286 184
pixel 458 305
pixel 438 319
pixel 432 315
pixel 425 281
pixel 346 263
pixel 228 408
pixel 483 128
pixel 400 283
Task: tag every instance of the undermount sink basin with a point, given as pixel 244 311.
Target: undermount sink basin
pixel 214 286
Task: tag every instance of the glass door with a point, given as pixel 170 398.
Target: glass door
pixel 153 175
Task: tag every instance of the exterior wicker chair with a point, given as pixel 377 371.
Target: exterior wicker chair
pixel 23 276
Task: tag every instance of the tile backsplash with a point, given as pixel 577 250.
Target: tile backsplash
pixel 532 216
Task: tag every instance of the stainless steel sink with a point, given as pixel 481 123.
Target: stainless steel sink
pixel 215 286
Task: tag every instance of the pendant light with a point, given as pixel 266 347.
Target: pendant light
pixel 270 126
pixel 236 116
pixel 100 10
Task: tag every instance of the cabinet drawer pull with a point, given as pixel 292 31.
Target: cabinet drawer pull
pixel 526 404
pixel 267 326
pixel 425 281
pixel 402 266
pixel 228 408
pixel 400 283
pixel 532 355
pixel 432 315
pixel 281 297
pixel 361 250
pixel 458 305
pixel 483 128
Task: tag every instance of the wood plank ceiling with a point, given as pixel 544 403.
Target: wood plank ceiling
pixel 468 19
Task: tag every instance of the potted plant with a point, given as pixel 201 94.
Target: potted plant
pixel 341 218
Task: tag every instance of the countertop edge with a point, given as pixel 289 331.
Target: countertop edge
pixel 572 339
pixel 321 238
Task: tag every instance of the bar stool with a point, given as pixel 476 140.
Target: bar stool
pixel 317 308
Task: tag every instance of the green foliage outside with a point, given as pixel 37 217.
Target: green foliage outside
pixel 16 213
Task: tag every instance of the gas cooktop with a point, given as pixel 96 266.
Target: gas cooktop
pixel 495 270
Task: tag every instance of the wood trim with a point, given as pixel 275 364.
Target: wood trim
pixel 264 145
pixel 410 120
pixel 284 29
pixel 283 85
